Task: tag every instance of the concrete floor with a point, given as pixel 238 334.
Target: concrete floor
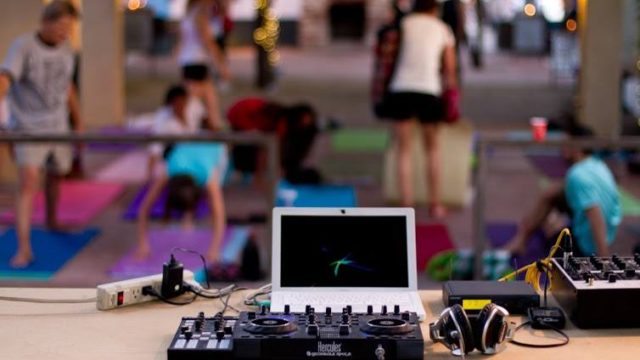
pixel 500 98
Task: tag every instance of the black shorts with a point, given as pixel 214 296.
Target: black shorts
pixel 196 72
pixel 409 105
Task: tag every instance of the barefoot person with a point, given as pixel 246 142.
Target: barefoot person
pixel 36 75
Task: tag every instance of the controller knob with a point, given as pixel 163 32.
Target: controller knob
pixel 328 311
pixel 345 318
pixel 396 309
pixel 384 310
pixel 369 309
pixel 312 329
pixel 307 309
pixel 220 334
pixel 349 309
pixel 612 278
pixel 251 315
pixel 343 330
pixel 287 309
pixel 406 316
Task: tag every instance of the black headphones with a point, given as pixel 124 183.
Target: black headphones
pixel 454 330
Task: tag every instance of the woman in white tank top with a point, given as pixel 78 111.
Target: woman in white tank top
pixel 196 51
pixel 426 67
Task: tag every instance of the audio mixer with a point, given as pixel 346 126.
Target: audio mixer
pixel 264 335
pixel 598 292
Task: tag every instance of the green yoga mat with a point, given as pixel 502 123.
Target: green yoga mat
pixel 360 140
pixel 630 204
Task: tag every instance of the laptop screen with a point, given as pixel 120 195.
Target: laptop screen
pixel 343 251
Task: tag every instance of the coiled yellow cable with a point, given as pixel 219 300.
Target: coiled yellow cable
pixel 533 272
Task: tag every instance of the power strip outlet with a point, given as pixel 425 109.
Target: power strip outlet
pixel 129 292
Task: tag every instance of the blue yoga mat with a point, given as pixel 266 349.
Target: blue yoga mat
pixel 315 195
pixel 51 249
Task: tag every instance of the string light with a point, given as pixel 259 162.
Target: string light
pixel 266 35
pixel 571 25
pixel 530 10
pixel 134 5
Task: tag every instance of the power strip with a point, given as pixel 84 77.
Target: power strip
pixel 129 292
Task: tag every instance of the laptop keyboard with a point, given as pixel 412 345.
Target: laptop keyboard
pixel 338 300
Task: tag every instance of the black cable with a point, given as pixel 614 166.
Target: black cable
pixel 204 261
pixel 150 291
pixel 540 346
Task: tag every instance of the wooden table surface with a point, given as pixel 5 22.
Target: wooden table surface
pixel 79 331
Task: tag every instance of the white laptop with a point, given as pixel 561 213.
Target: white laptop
pixel 334 257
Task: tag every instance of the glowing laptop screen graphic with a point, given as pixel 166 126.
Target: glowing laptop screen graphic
pixel 344 251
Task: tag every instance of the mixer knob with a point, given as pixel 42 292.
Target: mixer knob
pixel 630 273
pixel 312 318
pixel 406 316
pixel 219 334
pixel 307 309
pixel 201 315
pixel 369 309
pixel 384 310
pixel 396 309
pixel 251 315
pixel 612 278
pixel 184 328
pixel 228 330
pixel 263 310
pixel 312 329
pixel 188 334
pixel 349 309
pixel 327 311
pixel 198 324
pixel 344 329
pixel 287 309
pixel 345 318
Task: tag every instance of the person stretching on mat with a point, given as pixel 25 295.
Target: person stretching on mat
pixel 37 77
pixel 589 196
pixel 181 115
pixel 193 169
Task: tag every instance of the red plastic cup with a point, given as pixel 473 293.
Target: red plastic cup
pixel 538 128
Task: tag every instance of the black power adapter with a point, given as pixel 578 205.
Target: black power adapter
pixel 546 317
pixel 172 277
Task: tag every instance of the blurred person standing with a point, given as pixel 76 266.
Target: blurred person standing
pixel 37 77
pixel 426 68
pixel 195 52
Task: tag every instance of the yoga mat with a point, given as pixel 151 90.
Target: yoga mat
pixel 163 240
pixel 80 202
pixel 315 195
pixel 499 234
pixel 51 250
pixel 360 140
pixel 157 210
pixel 629 203
pixel 127 168
pixel 430 240
pixel 553 166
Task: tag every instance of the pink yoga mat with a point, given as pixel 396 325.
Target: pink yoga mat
pixel 80 202
pixel 430 240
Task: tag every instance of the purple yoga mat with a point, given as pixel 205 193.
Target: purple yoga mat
pixel 500 234
pixel 553 166
pixel 157 210
pixel 162 241
pixel 79 203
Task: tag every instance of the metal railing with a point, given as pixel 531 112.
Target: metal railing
pixel 490 142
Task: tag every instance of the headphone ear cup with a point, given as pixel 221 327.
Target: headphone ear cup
pixel 489 327
pixel 466 333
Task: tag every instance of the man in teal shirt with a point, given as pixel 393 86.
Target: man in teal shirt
pixel 589 195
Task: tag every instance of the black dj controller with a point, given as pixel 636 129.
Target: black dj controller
pixel 326 335
pixel 599 292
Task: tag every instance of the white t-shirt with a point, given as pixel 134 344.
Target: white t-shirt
pixel 424 38
pixel 166 123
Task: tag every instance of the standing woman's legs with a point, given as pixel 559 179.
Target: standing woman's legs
pixel 434 170
pixel 205 91
pixel 403 137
